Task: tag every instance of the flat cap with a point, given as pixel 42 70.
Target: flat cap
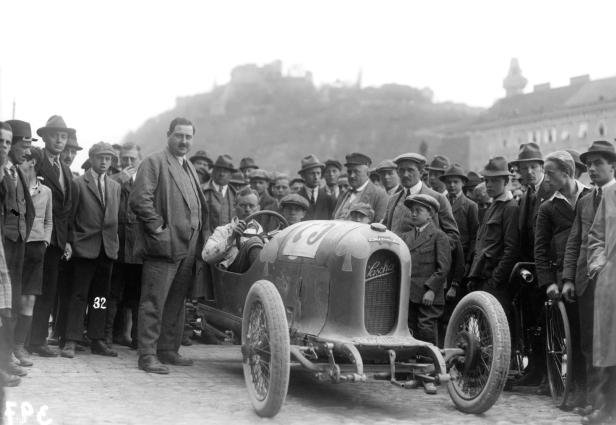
pixel 333 163
pixel 364 209
pixel 386 164
pixel 294 199
pixel 411 156
pixel 357 158
pixel 102 148
pixel 421 199
pixel 259 174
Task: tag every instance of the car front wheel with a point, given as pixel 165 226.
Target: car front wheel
pixel 265 348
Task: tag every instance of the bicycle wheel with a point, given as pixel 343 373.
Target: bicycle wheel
pixel 559 351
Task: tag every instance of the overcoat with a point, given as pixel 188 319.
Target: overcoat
pixel 214 200
pixel 466 214
pixel 128 226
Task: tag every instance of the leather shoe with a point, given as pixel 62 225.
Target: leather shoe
pixel 43 350
pixel 429 387
pixel 13 369
pixel 598 416
pixel 22 356
pixel 173 358
pixel 69 350
pixel 99 347
pixel 582 411
pixel 150 364
pixel 8 380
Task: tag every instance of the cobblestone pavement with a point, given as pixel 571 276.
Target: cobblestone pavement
pixel 98 390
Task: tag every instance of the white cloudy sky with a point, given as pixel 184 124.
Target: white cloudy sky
pixel 108 65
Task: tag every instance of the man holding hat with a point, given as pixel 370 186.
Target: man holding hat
pixel 95 247
pixel 389 178
pixel 331 173
pixel 18 216
pixel 321 205
pixel 397 218
pixel 361 189
pixel 219 195
pixel 247 165
pixel 293 207
pixel 496 246
pixel 601 162
pixel 58 177
pixel 436 169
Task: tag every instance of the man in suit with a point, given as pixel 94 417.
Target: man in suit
pixel 331 173
pixel 220 197
pixel 95 247
pixel 173 214
pixel 321 205
pixel 497 243
pixel 601 162
pixel 361 189
pixel 397 218
pixel 17 218
pixel 58 177
pixel 389 177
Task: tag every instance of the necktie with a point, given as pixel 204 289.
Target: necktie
pixel 452 199
pixel 311 196
pixel 100 190
pixel 597 199
pixel 185 167
pixel 56 169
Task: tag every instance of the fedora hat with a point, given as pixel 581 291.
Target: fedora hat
pixel 528 152
pixel 473 179
pixel 455 170
pixel 602 147
pixel 201 155
pixel 54 123
pixel 422 199
pixel 248 162
pixel 439 163
pixel 576 158
pixel 310 161
pixel 224 161
pixel 72 142
pixel 21 131
pixel 414 157
pixel 495 167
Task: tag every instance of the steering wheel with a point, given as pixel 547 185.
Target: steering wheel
pixel 282 223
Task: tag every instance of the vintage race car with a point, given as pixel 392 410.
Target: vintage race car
pixel 332 297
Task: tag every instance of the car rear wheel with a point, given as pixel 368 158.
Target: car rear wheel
pixel 479 326
pixel 265 348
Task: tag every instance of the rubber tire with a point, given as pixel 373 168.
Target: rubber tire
pixel 499 369
pixel 280 348
pixel 560 401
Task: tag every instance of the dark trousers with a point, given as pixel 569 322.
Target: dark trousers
pixel 63 299
pixel 125 293
pixel 44 303
pixel 164 286
pixel 423 320
pixel 91 282
pixel 586 310
pixel 15 253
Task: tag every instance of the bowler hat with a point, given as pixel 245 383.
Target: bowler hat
pixel 439 163
pixel 455 170
pixel 72 142
pixel 473 179
pixel 410 156
pixel 528 152
pixel 101 148
pixel 21 131
pixel 333 163
pixel 576 158
pixel 259 174
pixel 495 167
pixel 224 161
pixel 54 123
pixel 364 209
pixel 247 162
pixel 310 161
pixel 357 158
pixel 294 199
pixel 386 164
pixel 201 155
pixel 602 147
pixel 422 199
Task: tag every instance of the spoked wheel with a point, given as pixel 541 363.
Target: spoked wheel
pixel 558 351
pixel 265 348
pixel 479 326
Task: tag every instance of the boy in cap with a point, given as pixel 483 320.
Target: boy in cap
pixel 293 207
pixel 430 262
pixel 361 213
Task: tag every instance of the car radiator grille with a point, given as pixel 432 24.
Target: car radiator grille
pixel 382 291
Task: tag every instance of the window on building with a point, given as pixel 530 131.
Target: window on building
pixel 504 143
pixel 535 136
pixel 583 130
pixel 601 129
pixel 564 135
pixel 552 135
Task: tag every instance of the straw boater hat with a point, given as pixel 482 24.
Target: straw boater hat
pixel 602 147
pixel 455 170
pixel 310 161
pixel 529 152
pixel 54 123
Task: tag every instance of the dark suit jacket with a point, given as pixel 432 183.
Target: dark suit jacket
pixel 94 224
pixel 159 199
pixel 497 244
pixel 128 225
pixel 430 262
pixel 62 201
pixel 372 195
pixel 466 214
pixel 214 201
pixel 320 210
pixel 30 212
pixel 554 221
pixel 529 207
pixel 575 261
pixel 398 216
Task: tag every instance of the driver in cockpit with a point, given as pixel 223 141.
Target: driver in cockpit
pixel 221 247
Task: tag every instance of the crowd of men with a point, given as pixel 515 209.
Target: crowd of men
pixel 109 256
